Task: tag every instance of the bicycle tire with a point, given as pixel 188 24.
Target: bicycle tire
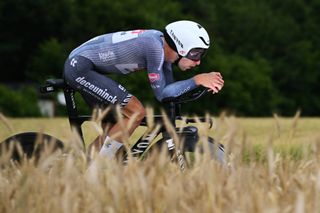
pixel 216 150
pixel 31 143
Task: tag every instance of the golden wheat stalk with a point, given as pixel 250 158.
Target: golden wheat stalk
pixel 6 122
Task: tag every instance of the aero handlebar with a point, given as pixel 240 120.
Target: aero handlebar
pixel 187 97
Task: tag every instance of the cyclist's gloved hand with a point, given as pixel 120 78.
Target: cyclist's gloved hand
pixel 213 81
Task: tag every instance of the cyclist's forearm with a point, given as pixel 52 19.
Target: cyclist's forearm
pixel 178 88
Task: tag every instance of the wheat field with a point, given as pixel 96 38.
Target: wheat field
pixel 272 166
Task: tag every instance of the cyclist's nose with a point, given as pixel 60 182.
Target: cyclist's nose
pixel 198 62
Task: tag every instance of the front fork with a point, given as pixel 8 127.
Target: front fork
pixel 189 135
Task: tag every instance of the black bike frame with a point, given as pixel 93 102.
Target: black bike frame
pixel 172 108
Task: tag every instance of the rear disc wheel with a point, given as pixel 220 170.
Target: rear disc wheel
pixel 29 144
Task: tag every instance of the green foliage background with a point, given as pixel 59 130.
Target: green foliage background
pixel 268 51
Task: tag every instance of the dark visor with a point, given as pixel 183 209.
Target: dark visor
pixel 196 54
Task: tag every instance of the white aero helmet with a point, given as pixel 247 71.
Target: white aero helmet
pixel 189 39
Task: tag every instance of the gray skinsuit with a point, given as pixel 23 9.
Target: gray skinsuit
pixel 121 53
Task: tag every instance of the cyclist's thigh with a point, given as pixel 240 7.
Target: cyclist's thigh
pixel 96 88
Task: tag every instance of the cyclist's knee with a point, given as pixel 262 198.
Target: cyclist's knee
pixel 141 114
pixel 134 108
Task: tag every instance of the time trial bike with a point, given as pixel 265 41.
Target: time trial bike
pixel 31 144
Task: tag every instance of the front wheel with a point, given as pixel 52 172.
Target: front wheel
pixel 191 145
pixel 215 150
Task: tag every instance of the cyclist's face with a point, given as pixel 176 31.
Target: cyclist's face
pixel 186 64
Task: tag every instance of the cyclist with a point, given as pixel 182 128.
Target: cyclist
pixel 183 43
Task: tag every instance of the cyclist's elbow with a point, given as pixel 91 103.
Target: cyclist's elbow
pixel 164 94
pixel 159 98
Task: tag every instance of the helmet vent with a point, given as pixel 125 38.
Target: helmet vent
pixel 199 26
pixel 202 39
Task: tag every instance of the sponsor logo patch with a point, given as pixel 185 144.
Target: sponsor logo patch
pixel 106 56
pixel 103 93
pixel 73 62
pixel 153 77
pixel 176 39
